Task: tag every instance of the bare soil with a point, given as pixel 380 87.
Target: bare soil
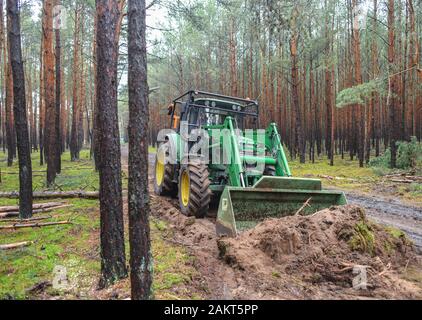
pixel 295 257
pixel 317 256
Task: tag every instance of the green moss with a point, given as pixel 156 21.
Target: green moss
pixel 363 238
pixel 396 233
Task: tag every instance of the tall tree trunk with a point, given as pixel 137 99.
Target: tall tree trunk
pixel 94 145
pixel 413 62
pixel 138 197
pixel 74 134
pixel 113 261
pixel 375 101
pixel 295 83
pixel 10 130
pixel 233 62
pixel 34 120
pixel 358 81
pixel 21 122
pixel 41 101
pixel 2 63
pixel 58 143
pixel 392 85
pixel 49 89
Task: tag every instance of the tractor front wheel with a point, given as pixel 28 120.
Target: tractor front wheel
pixel 194 189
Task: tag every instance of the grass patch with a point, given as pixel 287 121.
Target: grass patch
pixel 348 176
pixel 345 173
pixel 78 175
pixel 76 246
pixel 396 233
pixel 21 269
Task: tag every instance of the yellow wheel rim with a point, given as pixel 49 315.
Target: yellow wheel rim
pixel 185 188
pixel 159 172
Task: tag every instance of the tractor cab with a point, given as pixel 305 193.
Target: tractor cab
pixel 208 110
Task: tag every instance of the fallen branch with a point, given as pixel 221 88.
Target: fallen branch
pixel 54 195
pixel 26 220
pixel 33 225
pixel 402 181
pixel 306 204
pixel 34 207
pixel 16 214
pixel 39 287
pixel 16 245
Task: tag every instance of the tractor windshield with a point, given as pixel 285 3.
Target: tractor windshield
pixel 202 109
pixel 216 111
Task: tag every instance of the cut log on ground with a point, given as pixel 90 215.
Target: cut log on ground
pixel 26 220
pixel 402 181
pixel 33 225
pixel 16 213
pixel 35 206
pixel 15 245
pixel 55 195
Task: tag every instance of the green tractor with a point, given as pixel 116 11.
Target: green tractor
pixel 245 169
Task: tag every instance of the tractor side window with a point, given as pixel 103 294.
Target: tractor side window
pixel 193 118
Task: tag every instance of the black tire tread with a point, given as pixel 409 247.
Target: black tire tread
pixel 200 193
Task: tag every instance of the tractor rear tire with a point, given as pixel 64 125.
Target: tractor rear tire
pixel 194 189
pixel 163 179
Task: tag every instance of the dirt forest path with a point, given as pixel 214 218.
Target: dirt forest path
pixel 386 211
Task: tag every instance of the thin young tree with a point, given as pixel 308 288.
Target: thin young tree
pixel 19 109
pixel 113 261
pixel 138 198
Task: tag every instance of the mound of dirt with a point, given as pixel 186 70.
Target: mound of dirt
pixel 335 253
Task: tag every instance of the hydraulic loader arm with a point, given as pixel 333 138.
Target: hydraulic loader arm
pixel 236 171
pixel 273 141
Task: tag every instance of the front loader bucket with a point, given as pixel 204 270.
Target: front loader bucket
pixel 271 197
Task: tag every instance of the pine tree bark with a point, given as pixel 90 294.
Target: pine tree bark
pixel 2 63
pixel 41 101
pixel 49 89
pixel 113 261
pixel 21 121
pixel 392 85
pixel 295 82
pixel 138 197
pixel 10 128
pixel 58 143
pixel 413 62
pixel 358 80
pixel 233 62
pixel 74 134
